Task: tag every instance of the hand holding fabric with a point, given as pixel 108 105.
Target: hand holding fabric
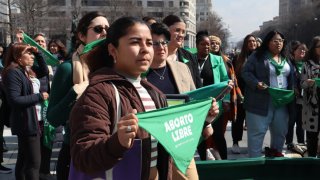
pixel 262 86
pixel 127 129
pixel 213 111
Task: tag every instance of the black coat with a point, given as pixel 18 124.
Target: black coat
pixel 192 64
pixel 22 100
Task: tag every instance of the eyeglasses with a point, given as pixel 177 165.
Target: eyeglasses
pixel 99 28
pixel 276 41
pixel 158 43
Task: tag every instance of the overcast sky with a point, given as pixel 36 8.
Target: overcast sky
pixel 245 16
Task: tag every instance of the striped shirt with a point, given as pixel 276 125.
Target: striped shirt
pixel 148 105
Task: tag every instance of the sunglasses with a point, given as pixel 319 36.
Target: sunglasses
pixel 158 43
pixel 99 28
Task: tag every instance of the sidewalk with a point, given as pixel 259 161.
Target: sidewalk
pixel 10 157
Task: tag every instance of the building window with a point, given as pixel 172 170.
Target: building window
pixel 170 3
pixel 95 3
pixel 139 3
pixel 155 14
pixel 57 2
pixel 201 13
pixel 155 3
pixel 184 4
pixel 184 14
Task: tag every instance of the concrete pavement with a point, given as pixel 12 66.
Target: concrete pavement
pixel 11 156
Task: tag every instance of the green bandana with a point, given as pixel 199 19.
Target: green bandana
pixel 192 50
pixel 299 65
pixel 184 60
pixel 49 58
pixel 281 97
pixel 207 91
pixel 88 47
pixel 277 66
pixel 317 81
pixel 177 128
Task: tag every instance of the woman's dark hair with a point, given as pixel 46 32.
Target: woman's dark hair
pixel 244 54
pixel 311 54
pixel 99 56
pixel 265 44
pixel 160 29
pixel 172 19
pixel 201 35
pixel 148 18
pixel 85 21
pixel 293 46
pixel 62 50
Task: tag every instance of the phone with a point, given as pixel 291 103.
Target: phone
pixel 223 93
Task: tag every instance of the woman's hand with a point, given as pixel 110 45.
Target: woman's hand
pixel 262 86
pixel 34 49
pixel 207 131
pixel 127 129
pixel 45 95
pixel 213 111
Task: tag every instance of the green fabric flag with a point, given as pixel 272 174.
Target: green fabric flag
pixel 49 132
pixel 317 81
pixel 192 50
pixel 88 47
pixel 299 65
pixel 207 91
pixel 177 128
pixel 49 58
pixel 281 97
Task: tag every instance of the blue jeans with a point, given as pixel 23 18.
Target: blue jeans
pixel 276 120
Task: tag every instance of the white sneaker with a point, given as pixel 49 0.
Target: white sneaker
pixel 235 149
pixel 209 155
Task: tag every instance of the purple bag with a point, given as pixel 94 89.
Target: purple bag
pixel 128 168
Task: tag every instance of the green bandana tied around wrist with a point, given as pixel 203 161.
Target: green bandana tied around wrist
pixel 277 66
pixel 177 128
pixel 281 97
pixel 299 65
pixel 317 81
pixel 48 57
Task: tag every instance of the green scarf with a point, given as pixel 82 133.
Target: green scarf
pixel 317 81
pixel 178 128
pixel 277 66
pixel 299 65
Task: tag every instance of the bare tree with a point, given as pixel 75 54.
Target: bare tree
pixel 30 11
pixel 215 26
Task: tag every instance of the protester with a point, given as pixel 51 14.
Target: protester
pixel 93 117
pixel 297 54
pixel 176 79
pixel 177 28
pixel 4 117
pixel 248 46
pixel 267 67
pixel 19 92
pixel 149 20
pixel 70 80
pixel 311 91
pixel 212 70
pixel 58 49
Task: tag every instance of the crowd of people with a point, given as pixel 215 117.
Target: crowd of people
pixel 93 97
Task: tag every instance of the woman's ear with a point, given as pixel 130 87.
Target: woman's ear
pixel 112 51
pixel 82 37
